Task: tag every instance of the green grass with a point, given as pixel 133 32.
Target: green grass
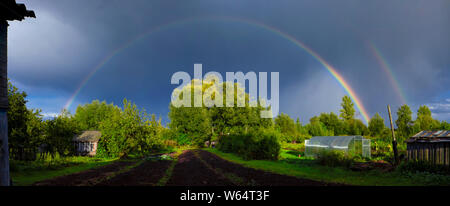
pixel 169 171
pixel 291 164
pixel 27 173
pixel 296 147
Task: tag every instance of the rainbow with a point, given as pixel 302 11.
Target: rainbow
pixel 388 70
pixel 271 29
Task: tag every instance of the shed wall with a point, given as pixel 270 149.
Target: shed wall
pixel 432 152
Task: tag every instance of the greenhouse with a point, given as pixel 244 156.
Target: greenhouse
pixel 355 145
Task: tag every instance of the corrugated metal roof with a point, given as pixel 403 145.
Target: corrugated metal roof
pixel 431 136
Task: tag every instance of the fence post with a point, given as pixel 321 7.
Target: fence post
pixel 394 141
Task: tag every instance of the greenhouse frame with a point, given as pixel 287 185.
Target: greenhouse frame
pixel 354 145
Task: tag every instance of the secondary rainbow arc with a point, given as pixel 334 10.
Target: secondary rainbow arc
pixel 333 71
pixel 389 71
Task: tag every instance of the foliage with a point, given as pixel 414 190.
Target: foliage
pixel 424 120
pixel 333 158
pixel 290 131
pixel 129 131
pixel 306 168
pixel 376 125
pixel 356 127
pixel 28 172
pixel 317 128
pixel 208 122
pixel 191 122
pixel 25 128
pixel 422 166
pixel 59 133
pixel 404 121
pixel 332 122
pixel 347 111
pixel 90 116
pixel 261 144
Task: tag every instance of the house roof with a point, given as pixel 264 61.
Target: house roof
pixel 431 136
pixel 10 10
pixel 88 136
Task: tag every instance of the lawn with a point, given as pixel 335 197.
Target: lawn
pixel 27 173
pixel 291 164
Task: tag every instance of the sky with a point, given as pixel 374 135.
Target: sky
pixel 388 52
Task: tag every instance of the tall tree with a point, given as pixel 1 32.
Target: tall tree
pixel 25 127
pixel 286 126
pixel 201 123
pixel 59 133
pixel 404 120
pixel 347 111
pixel 332 123
pixel 90 116
pixel 424 119
pixel 376 125
pixel 131 131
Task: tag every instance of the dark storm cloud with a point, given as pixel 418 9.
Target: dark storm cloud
pixel 69 38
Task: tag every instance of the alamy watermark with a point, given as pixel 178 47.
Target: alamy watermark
pixel 235 94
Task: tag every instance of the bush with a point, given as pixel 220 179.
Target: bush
pixel 254 145
pixel 421 166
pixel 335 158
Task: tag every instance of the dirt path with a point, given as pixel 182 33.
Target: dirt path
pixel 192 168
pixel 146 174
pixel 191 171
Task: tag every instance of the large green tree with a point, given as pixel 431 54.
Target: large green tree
pixel 376 125
pixel 25 128
pixel 332 123
pixel 317 128
pixel 90 116
pixel 404 121
pixel 286 126
pixel 130 131
pixel 424 119
pixel 205 121
pixel 59 133
pixel 347 111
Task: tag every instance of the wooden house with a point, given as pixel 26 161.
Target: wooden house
pixel 86 143
pixel 430 146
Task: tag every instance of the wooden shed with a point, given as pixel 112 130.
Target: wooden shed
pixel 430 146
pixel 86 143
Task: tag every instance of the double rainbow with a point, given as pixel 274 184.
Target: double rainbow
pixel 333 71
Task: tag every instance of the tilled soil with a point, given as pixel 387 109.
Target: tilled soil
pixel 191 171
pixel 86 178
pixel 146 174
pixel 255 177
pixel 193 168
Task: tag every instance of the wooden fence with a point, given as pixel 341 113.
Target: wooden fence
pixel 437 153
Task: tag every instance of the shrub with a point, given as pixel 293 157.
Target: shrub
pixel 335 158
pixel 422 166
pixel 254 145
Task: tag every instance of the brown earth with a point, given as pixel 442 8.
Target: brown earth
pixel 253 177
pixel 86 178
pixel 146 174
pixel 193 168
pixel 373 165
pixel 190 171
